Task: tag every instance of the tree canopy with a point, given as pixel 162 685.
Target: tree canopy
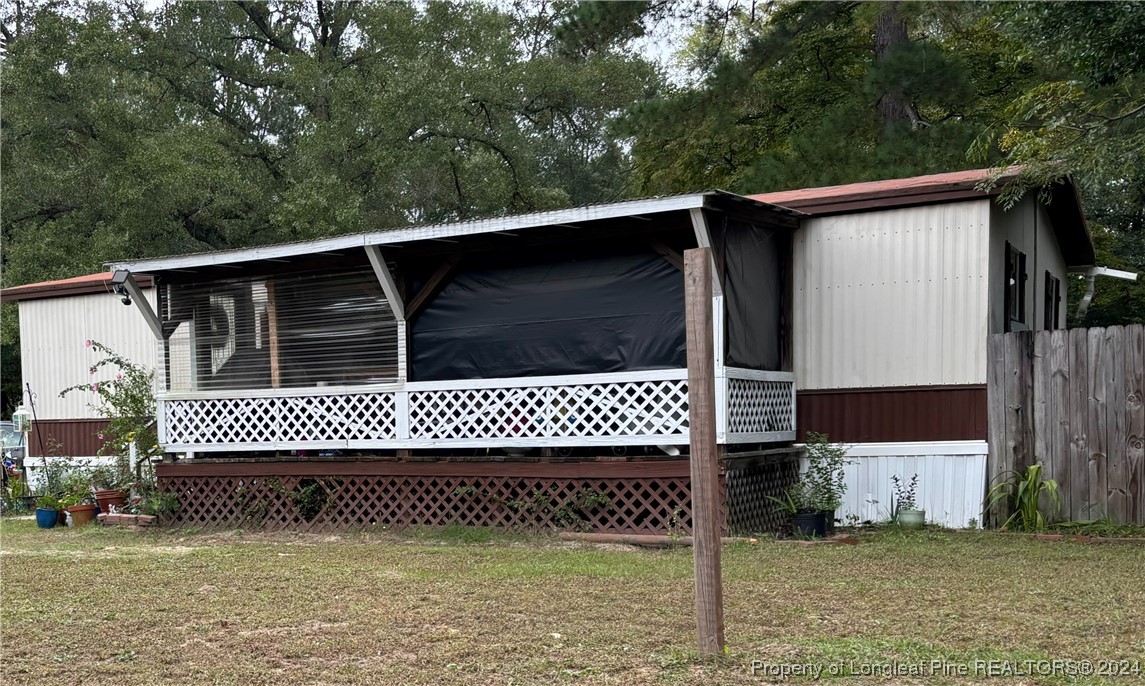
pixel 132 130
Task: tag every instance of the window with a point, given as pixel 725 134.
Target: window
pixel 280 331
pixel 1051 302
pixel 1015 289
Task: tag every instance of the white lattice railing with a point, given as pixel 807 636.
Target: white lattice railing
pixel 758 406
pixel 631 408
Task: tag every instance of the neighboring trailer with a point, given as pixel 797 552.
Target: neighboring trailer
pixel 58 319
pixel 897 286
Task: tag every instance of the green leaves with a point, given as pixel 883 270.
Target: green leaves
pixel 213 125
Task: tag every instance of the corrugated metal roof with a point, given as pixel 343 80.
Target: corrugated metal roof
pixel 1064 208
pixel 448 230
pixel 826 195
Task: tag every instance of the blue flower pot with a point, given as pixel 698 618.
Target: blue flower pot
pixel 46 519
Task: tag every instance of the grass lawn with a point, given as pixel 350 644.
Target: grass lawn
pixel 462 606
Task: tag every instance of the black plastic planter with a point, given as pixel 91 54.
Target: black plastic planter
pixel 828 522
pixel 809 525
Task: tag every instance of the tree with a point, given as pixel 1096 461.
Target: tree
pixel 130 132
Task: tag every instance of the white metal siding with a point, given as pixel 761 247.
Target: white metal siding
pixel 893 297
pixel 54 354
pixel 951 481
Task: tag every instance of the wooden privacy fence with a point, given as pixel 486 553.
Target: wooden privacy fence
pixel 1072 400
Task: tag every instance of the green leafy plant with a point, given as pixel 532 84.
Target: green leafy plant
pixel 48 501
pixel 797 498
pixel 824 482
pixel 905 495
pixel 155 503
pixel 1023 493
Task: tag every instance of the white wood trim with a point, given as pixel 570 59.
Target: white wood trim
pixel 763 437
pixel 449 385
pixel 756 374
pixel 144 306
pixel 386 279
pixel 704 240
pixel 244 393
pixel 566 380
pixel 718 330
pixel 490 442
pixel 160 423
pixel 721 406
pixel 417 233
pixel 401 415
pixel 403 351
pixel 917 448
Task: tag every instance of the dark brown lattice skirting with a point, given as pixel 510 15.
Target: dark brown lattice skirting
pixel 613 497
pixel 747 488
pixel 620 497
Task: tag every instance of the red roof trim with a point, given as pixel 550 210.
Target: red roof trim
pixel 1065 208
pixel 61 288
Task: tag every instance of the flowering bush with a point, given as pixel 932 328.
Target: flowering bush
pixel 128 403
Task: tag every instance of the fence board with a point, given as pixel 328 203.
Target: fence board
pixel 1116 471
pixel 997 457
pixel 1098 486
pixel 1135 420
pixel 1059 425
pixel 1073 401
pixel 1040 371
pixel 1079 424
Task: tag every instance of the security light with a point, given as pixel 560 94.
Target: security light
pixel 119 285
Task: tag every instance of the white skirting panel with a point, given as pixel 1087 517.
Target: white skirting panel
pixel 34 466
pixel 951 480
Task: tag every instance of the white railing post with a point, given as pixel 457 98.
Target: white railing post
pixel 794 405
pixel 161 421
pixel 721 404
pixel 401 416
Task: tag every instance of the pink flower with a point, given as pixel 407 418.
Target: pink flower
pixel 87 343
pixel 119 377
pixel 95 386
pixel 99 435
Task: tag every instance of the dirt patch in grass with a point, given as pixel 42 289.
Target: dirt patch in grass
pixel 105 606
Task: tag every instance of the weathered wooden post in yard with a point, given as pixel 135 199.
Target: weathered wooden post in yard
pixel 704 456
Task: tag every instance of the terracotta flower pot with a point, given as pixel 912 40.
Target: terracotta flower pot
pixel 112 497
pixel 82 515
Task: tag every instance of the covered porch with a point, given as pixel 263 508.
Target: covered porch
pixel 551 337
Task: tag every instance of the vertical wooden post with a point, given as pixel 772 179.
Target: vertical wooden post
pixel 704 456
pixel 272 334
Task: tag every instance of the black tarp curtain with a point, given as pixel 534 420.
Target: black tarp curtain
pixel 589 310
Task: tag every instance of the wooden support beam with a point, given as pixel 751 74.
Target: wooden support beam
pixel 674 258
pixel 704 240
pixel 704 459
pixel 144 307
pixel 386 279
pixel 432 287
pixel 272 334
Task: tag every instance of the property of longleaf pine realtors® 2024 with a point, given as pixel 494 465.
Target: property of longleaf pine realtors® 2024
pixel 977 668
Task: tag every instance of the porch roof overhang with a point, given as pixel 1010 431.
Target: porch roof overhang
pixel 721 201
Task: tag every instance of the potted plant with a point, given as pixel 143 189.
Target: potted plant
pixel 807 520
pixel 904 509
pixel 111 484
pixel 47 511
pixel 824 476
pixel 78 499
